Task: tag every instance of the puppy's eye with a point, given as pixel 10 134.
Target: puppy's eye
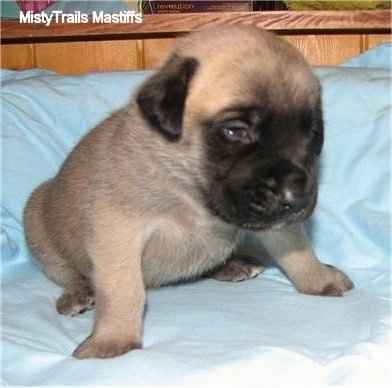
pixel 237 133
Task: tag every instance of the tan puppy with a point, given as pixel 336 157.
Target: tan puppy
pixel 220 142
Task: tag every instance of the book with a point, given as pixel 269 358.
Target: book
pixel 162 6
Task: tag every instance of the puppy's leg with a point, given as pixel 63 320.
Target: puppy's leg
pixel 78 295
pixel 292 252
pixel 115 249
pixel 237 268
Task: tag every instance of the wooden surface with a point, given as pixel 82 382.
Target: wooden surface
pixel 174 24
pixel 324 37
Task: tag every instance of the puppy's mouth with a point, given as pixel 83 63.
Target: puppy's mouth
pixel 260 215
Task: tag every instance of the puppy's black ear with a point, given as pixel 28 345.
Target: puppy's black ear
pixel 318 129
pixel 162 98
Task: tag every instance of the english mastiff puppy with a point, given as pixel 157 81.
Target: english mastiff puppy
pixel 222 141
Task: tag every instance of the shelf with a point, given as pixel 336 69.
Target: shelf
pixel 170 25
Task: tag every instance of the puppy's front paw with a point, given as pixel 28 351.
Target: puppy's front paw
pixel 96 347
pixel 237 269
pixel 338 284
pixel 332 282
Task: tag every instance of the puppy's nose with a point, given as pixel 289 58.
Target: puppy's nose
pixel 295 190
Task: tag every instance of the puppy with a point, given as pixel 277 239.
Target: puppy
pixel 221 141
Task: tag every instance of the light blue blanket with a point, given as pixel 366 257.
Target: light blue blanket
pixel 257 332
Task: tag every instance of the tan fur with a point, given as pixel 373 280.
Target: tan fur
pixel 239 69
pixel 294 255
pixel 125 211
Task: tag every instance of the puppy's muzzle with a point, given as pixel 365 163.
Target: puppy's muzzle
pixel 283 186
pixel 270 193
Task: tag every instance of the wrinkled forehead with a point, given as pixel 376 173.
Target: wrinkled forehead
pixel 228 81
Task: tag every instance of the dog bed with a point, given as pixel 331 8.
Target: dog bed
pixel 261 331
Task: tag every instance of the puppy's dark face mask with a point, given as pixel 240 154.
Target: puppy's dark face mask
pixel 259 159
pixel 261 164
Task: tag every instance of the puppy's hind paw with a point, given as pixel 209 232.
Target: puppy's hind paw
pixel 76 301
pixel 237 269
